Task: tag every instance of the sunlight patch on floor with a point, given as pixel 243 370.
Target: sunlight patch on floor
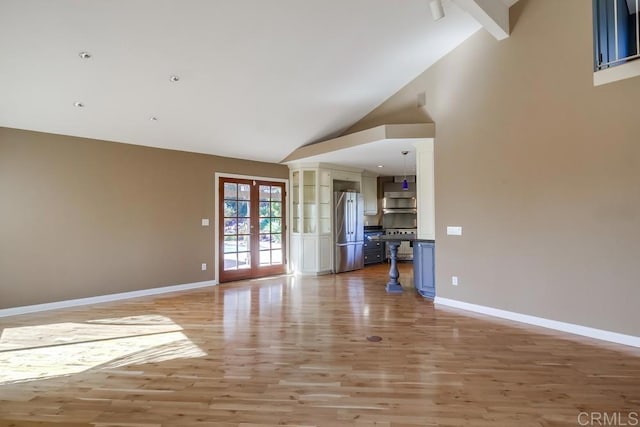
pixel 52 350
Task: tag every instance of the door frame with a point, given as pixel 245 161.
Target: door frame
pixel 216 216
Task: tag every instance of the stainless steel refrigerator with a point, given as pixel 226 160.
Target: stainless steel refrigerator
pixel 348 231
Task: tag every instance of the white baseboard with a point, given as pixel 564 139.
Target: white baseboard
pixel 14 311
pixel 599 334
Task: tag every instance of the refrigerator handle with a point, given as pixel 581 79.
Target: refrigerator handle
pixel 351 219
pixel 354 222
pixel 347 220
pixel 354 210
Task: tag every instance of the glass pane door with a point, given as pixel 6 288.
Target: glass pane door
pixel 237 226
pixel 252 229
pixel 270 225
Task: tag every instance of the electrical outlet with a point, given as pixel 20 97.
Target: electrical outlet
pixel 205 222
pixel 204 266
pixel 454 280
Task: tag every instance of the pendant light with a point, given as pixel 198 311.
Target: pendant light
pixel 405 183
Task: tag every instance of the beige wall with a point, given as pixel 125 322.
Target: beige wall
pixel 540 168
pixel 81 217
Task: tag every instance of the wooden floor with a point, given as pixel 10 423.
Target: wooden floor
pixel 294 351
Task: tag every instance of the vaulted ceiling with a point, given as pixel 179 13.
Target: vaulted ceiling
pixel 255 79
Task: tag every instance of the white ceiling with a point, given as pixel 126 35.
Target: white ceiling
pixel 368 157
pixel 257 78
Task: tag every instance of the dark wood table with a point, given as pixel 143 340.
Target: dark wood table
pixel 394 240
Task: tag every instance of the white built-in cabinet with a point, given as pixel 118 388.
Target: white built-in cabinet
pixel 370 194
pixel 311 202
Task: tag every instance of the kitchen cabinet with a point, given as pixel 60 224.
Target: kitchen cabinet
pixel 310 248
pixel 370 194
pixel 311 200
pixel 374 251
pixel 344 175
pixel 424 268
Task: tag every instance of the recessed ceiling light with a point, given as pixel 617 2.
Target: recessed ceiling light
pixel 84 55
pixel 153 118
pixel 174 78
pixel 78 104
pixel 380 166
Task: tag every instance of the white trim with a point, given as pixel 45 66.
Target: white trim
pixel 259 178
pixel 492 15
pixel 619 72
pixel 216 219
pixel 426 189
pixel 598 334
pixel 14 311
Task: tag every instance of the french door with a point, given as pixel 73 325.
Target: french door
pixel 252 229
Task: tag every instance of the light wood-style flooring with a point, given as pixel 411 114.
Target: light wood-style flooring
pixel 294 351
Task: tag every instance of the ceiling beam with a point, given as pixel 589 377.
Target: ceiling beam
pixel 378 133
pixel 493 15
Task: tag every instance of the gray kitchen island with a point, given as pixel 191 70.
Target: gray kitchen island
pixel 393 241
